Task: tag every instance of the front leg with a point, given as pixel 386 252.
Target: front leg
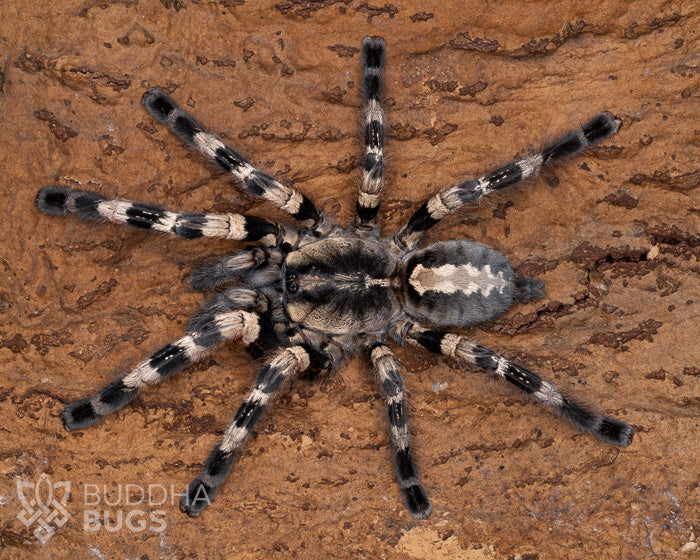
pixel 60 201
pixel 254 181
pixel 451 199
pixel 373 120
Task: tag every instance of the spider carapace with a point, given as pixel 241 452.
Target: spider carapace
pixel 307 298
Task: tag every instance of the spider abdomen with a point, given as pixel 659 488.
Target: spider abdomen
pixel 341 285
pixel 457 283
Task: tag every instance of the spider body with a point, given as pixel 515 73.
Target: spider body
pixel 307 298
pixel 342 285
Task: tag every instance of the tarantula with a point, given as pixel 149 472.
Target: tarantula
pixel 311 296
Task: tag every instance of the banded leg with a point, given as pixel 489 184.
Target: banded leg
pixel 447 201
pixel 224 317
pixel 215 273
pixel 386 369
pixel 254 181
pixel 94 206
pixel 284 365
pixel 373 54
pixel 606 429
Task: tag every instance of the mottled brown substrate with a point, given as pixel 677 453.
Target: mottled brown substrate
pixel 468 85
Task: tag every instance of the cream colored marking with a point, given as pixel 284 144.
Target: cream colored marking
pixel 192 350
pixel 374 112
pixel 269 240
pixel 229 226
pixel 148 375
pixel 134 379
pixel 465 278
pixel 379 352
pixel 216 225
pixel 114 210
pixel 294 203
pixel 259 396
pixel 465 350
pixel 448 344
pixel 233 437
pixel 548 394
pixel 399 435
pixel 383 282
pixel 208 143
pixel 437 208
pixel 244 171
pixel 166 223
pixel 371 185
pixel 451 198
pixel 502 366
pixel 236 226
pixel 251 327
pixel 301 356
pixel 367 200
pixel 530 165
pixel 483 186
pixel 239 323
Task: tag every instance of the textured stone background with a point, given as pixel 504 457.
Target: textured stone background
pixel 613 233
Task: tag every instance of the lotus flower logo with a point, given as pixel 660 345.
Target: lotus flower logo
pixel 42 506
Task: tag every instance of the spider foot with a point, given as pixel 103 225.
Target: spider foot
pixel 80 414
pixel 59 201
pixel 417 502
pixel 159 104
pixel 52 200
pixel 600 127
pixel 86 412
pixel 414 495
pixel 203 489
pixel 198 496
pixel 614 431
pixel 606 429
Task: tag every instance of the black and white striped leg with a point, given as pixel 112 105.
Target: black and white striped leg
pixel 606 429
pixel 225 317
pixel 254 181
pixel 447 201
pixel 386 370
pixel 373 54
pixel 93 206
pixel 286 364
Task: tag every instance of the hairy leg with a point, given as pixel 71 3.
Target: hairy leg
pixel 285 364
pixel 254 181
pixel 606 429
pixel 373 54
pixel 94 206
pixel 447 201
pixel 227 316
pixel 386 370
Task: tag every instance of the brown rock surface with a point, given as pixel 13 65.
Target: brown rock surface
pixel 613 233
